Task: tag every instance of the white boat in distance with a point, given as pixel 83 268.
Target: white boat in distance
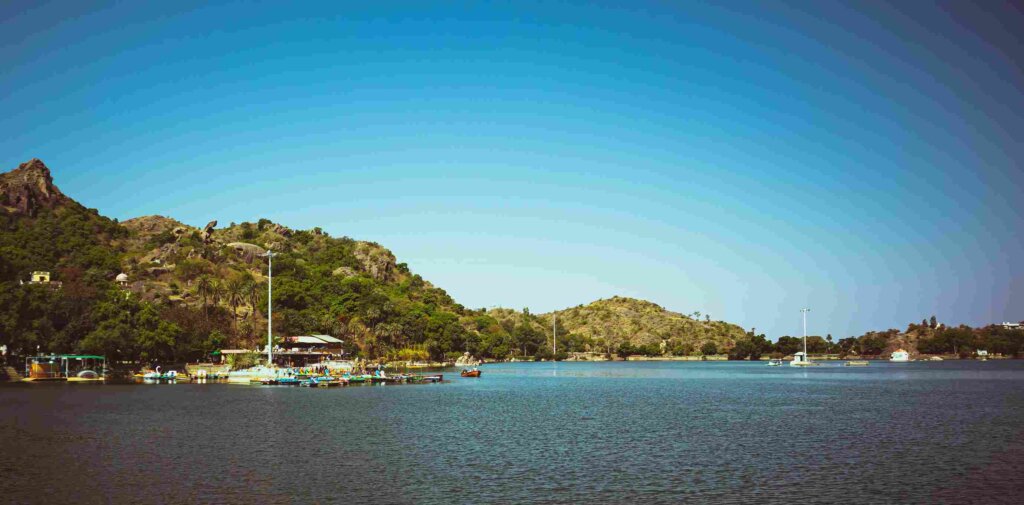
pixel 800 359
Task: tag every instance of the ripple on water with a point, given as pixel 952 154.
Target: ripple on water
pixel 539 433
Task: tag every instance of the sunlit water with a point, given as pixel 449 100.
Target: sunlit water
pixel 533 433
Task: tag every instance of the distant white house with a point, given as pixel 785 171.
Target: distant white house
pixel 41 277
pixel 1013 326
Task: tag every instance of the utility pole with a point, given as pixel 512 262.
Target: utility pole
pixel 270 316
pixel 805 311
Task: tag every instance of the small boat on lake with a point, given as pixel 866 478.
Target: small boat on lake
pixel 158 376
pixel 323 381
pixel 775 362
pixel 470 373
pixel 357 379
pixel 857 362
pixel 800 359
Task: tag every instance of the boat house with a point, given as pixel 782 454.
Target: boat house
pixel 300 350
pixel 66 367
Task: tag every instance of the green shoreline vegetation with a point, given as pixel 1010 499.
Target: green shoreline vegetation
pixel 191 291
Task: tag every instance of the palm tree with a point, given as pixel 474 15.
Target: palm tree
pixel 204 289
pixel 216 291
pixel 253 291
pixel 235 293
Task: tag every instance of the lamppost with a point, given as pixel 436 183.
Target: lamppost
pixel 270 316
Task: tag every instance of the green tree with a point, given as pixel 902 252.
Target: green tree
pixel 235 293
pixel 709 349
pixel 204 290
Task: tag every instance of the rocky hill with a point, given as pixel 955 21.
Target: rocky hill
pixel 29 188
pixel 643 323
pixel 194 289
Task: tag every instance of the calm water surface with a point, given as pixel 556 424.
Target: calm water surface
pixel 950 432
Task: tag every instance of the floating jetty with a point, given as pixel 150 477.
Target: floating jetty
pixel 305 379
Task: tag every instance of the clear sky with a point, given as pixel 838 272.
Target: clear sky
pixel 740 159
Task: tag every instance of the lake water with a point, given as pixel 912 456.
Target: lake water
pixel 949 432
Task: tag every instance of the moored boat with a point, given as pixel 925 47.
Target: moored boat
pixel 158 376
pixel 775 362
pixel 857 362
pixel 800 359
pixel 470 373
pixel 357 379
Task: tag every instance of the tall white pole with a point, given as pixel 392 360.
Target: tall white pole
pixel 270 314
pixel 805 311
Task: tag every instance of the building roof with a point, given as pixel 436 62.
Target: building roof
pixel 329 339
pixel 304 339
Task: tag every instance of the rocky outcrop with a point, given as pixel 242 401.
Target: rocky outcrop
pixel 248 252
pixel 283 231
pixel 29 188
pixel 375 260
pixel 344 272
pixel 467 360
pixel 207 232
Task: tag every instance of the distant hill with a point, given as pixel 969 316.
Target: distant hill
pixel 642 323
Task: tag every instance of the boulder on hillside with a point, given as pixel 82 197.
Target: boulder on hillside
pixel 208 231
pixel 248 252
pixel 467 360
pixel 283 231
pixel 344 272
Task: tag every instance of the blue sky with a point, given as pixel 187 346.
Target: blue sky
pixel 740 159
